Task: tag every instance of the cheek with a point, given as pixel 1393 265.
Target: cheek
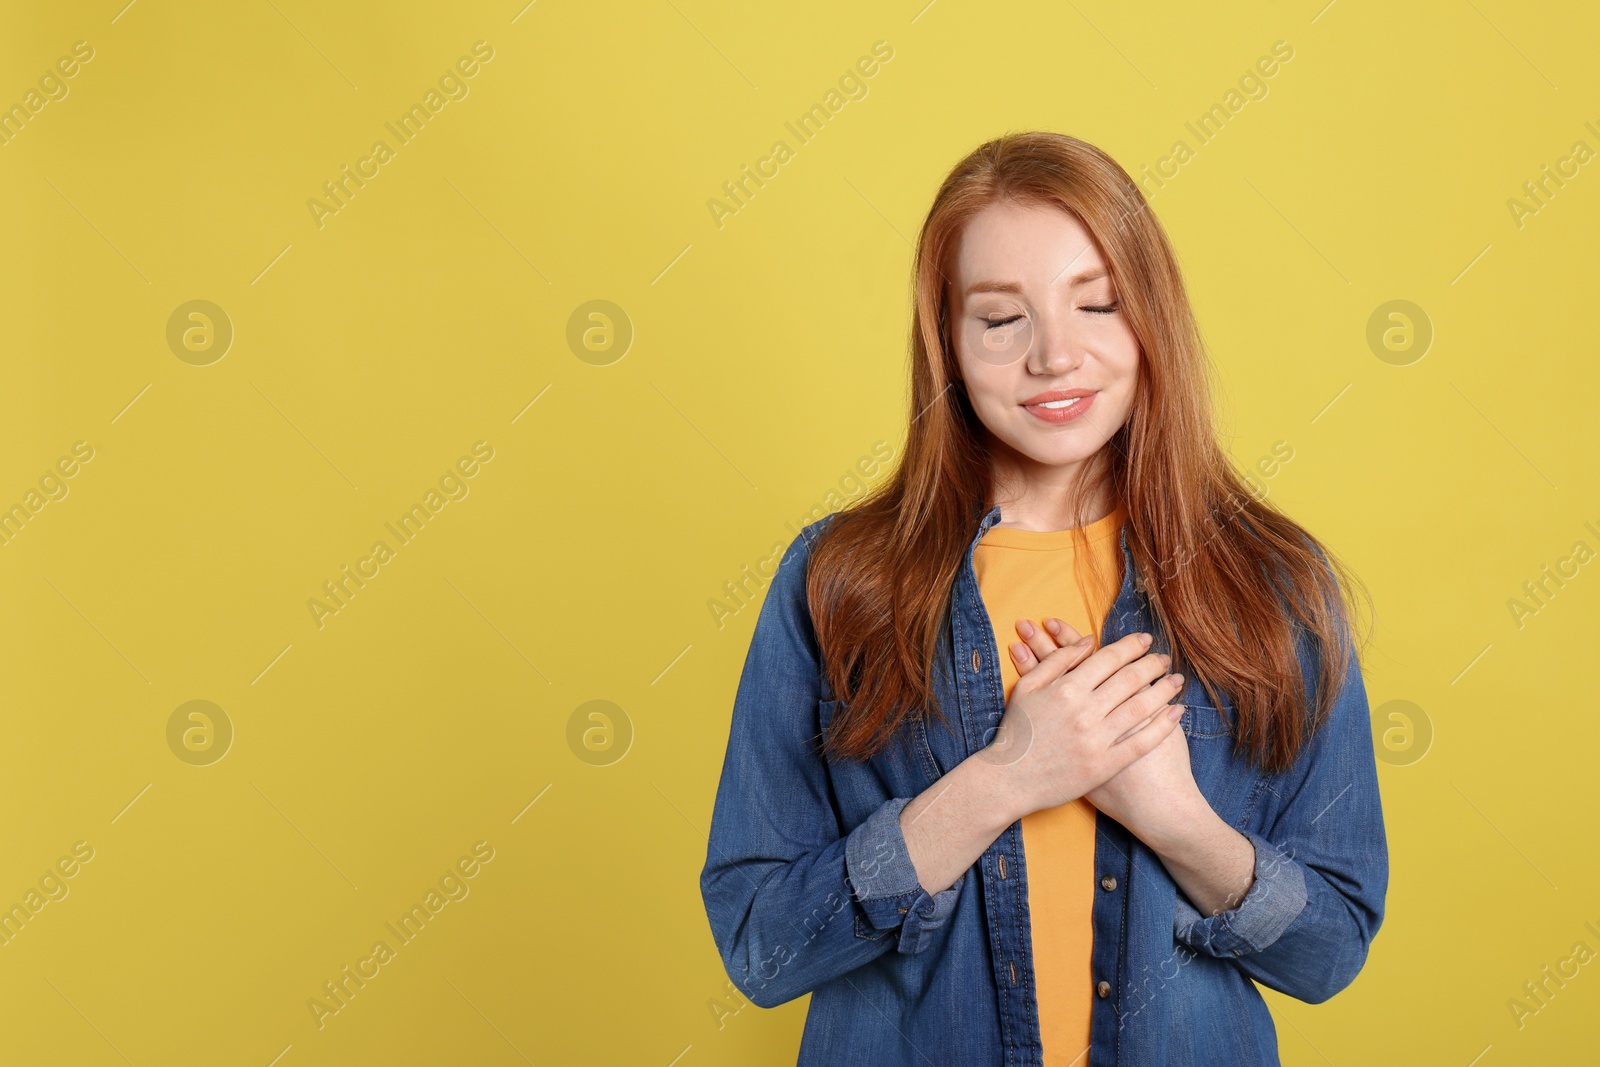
pixel 1123 360
pixel 987 385
pixel 1119 370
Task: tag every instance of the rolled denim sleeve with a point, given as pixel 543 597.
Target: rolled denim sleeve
pixel 1321 858
pixel 794 895
pixel 886 884
pixel 1275 899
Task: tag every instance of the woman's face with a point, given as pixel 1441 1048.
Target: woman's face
pixel 1035 320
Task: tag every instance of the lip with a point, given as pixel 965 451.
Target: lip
pixel 1059 415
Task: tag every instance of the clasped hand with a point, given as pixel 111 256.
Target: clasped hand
pixel 1095 723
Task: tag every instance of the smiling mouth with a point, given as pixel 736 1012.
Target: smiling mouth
pixel 1061 410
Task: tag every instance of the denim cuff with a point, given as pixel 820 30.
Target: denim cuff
pixel 1275 899
pixel 885 882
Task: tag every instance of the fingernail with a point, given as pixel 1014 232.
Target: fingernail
pixel 1053 625
pixel 1175 712
pixel 1025 627
pixel 1146 640
pixel 1083 642
pixel 1177 679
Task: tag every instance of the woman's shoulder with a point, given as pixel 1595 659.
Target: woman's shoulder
pixel 798 554
pixel 784 627
pixel 787 581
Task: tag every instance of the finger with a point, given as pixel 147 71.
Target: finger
pixel 1051 667
pixel 1108 660
pixel 1040 643
pixel 1062 631
pixel 1023 657
pixel 1144 723
pixel 1134 677
pixel 1140 725
pixel 1143 742
pixel 1138 708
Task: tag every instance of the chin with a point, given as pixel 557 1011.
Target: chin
pixel 1052 457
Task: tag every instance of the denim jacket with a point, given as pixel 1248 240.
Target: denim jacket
pixel 809 889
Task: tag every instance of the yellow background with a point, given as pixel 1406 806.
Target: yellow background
pixel 768 358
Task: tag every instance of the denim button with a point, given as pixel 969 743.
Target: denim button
pixel 1104 989
pixel 1108 883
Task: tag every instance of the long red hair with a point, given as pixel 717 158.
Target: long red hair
pixel 1227 574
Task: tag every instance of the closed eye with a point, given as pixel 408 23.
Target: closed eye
pixel 994 324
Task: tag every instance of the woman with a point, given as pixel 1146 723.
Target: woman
pixel 1078 847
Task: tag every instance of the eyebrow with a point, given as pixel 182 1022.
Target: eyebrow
pixel 1015 287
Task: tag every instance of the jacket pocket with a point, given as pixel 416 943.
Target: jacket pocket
pixel 1203 720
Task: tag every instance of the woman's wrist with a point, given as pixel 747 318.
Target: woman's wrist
pixel 1213 863
pixel 951 823
pixel 1176 828
pixel 998 782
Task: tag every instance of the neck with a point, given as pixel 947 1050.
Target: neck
pixel 1037 496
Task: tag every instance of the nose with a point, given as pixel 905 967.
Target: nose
pixel 1054 351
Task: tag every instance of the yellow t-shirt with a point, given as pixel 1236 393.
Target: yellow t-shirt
pixel 1032 574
